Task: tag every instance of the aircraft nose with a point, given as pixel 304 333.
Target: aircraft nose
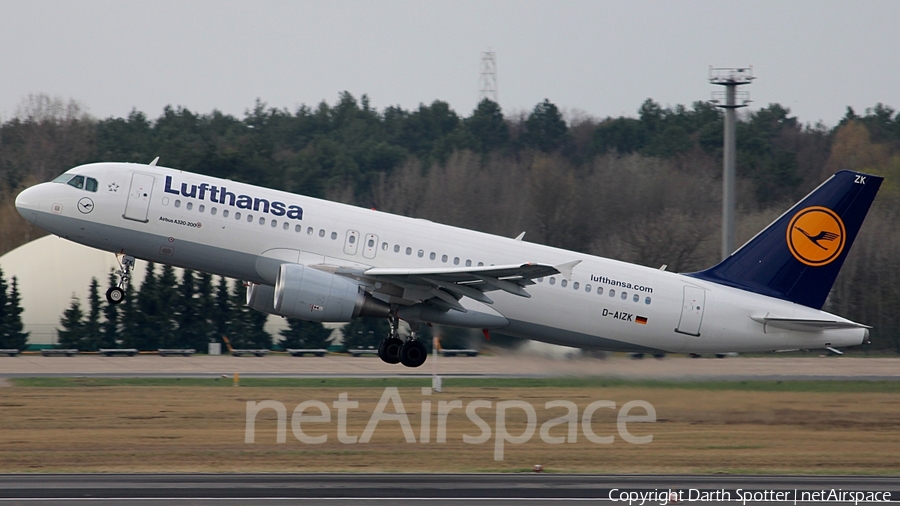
pixel 28 202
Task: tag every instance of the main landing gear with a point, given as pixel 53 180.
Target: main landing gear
pixel 411 353
pixel 116 294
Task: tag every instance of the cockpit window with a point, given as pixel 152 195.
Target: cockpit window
pixel 90 184
pixel 77 182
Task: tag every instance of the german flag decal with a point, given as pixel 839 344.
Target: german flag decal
pixel 641 319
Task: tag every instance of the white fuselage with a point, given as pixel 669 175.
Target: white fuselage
pixel 605 304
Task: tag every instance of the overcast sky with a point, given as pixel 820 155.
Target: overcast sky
pixel 602 58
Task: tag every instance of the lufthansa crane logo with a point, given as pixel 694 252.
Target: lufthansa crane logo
pixel 816 236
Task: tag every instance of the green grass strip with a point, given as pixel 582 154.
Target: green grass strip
pixel 824 386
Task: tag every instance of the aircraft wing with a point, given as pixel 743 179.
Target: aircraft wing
pixel 444 287
pixel 807 325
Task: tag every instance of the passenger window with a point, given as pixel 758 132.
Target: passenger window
pixel 384 246
pixel 77 182
pixel 468 263
pixel 351 239
pixel 309 231
pixel 540 280
pixel 225 213
pixel 444 258
pixel 552 281
pixel 212 211
pixel 189 206
pixel 647 301
pixel 421 253
pixel 432 255
pixel 275 224
pixel 587 288
pixel 201 208
pixel 599 290
pixel 396 248
pixel 409 251
pixel 612 293
pixel 298 228
pixel 91 185
pixel 636 297
pixel 237 215
pixel 288 225
pixel 624 295
pixel 262 221
pixel 456 261
pixel 575 285
pixel 321 232
pixel 177 203
pixel 333 236
pixel 564 283
pixel 480 264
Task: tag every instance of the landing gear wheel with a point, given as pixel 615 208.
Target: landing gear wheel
pixel 389 350
pixel 413 353
pixel 115 295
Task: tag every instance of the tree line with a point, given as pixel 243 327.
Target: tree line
pixel 643 189
pixel 189 312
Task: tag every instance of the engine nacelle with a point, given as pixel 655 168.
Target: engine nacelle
pixel 310 294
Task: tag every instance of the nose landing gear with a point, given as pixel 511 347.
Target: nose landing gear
pixel 116 294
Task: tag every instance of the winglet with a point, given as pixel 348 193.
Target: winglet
pixel 520 236
pixel 566 269
pixel 153 163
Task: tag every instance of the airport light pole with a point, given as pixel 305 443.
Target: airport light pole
pixel 729 99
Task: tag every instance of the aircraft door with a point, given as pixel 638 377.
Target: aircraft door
pixel 138 205
pixel 351 243
pixel 692 311
pixel 371 246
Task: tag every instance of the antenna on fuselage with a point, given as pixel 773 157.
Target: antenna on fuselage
pixel 153 163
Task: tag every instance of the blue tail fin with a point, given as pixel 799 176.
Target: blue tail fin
pixel 799 255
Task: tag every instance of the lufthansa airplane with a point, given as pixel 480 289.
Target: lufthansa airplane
pixel 306 258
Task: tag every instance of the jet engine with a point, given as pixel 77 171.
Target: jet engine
pixel 310 294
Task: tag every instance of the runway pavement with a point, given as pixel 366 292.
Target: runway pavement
pixel 416 489
pixel 498 365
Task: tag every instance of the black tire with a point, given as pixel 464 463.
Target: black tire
pixel 389 350
pixel 115 295
pixel 413 353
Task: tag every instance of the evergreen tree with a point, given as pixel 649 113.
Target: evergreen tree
pixel 193 329
pixel 129 319
pixel 144 316
pixel 545 128
pixel 167 296
pixel 71 336
pixel 12 335
pixel 302 334
pixel 109 330
pixel 364 332
pixel 91 327
pixel 222 314
pixel 246 324
pixel 487 126
pixel 4 306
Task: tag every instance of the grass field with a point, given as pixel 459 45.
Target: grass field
pixel 170 425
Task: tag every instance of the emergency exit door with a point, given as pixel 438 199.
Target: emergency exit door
pixel 138 205
pixel 692 311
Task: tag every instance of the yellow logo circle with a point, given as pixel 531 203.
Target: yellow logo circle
pixel 816 236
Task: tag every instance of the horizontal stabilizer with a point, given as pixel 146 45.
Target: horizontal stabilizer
pixel 807 325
